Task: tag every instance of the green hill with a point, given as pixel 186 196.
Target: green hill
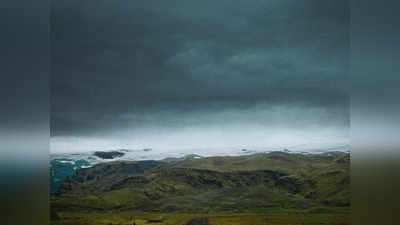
pixel 256 183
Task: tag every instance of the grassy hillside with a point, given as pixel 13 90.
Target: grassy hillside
pixel 246 184
pixel 324 177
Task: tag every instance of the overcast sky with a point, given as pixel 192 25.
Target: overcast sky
pixel 187 74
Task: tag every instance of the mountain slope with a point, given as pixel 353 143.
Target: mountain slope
pixel 240 184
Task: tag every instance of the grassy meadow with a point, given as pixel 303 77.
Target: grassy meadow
pixel 273 189
pixel 271 218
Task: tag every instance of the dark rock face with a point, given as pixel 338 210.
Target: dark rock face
pixel 109 155
pixel 65 187
pixel 199 221
pixel 293 185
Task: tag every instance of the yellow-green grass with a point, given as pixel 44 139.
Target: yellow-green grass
pixel 272 218
pixel 246 184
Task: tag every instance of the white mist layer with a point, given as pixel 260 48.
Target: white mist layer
pixel 210 143
pixel 211 132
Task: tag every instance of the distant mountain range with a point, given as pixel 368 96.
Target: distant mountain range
pixel 95 157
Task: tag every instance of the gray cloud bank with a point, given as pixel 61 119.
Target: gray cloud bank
pixel 135 69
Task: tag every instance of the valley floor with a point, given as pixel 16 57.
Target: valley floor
pixel 271 218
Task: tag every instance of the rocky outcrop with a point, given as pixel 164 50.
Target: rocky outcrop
pixel 109 155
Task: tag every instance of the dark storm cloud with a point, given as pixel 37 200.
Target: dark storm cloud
pixel 112 58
